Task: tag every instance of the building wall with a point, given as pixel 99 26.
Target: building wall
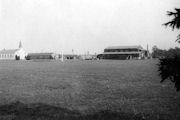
pixel 119 56
pixel 21 53
pixel 40 56
pixel 121 50
pixel 12 56
pixel 7 56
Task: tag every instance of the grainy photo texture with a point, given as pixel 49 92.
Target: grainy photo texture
pixel 89 60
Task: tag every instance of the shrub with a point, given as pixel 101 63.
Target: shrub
pixel 169 67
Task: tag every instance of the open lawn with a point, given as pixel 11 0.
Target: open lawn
pixel 122 88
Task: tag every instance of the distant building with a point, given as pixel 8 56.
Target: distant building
pixel 88 57
pixel 123 53
pixel 70 56
pixel 35 56
pixel 13 54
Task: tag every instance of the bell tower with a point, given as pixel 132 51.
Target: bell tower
pixel 20 45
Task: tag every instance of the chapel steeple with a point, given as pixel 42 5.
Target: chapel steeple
pixel 20 45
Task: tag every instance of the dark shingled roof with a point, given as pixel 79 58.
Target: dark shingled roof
pixel 8 51
pixel 117 53
pixel 125 47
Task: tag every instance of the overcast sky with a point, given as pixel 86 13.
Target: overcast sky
pixel 85 25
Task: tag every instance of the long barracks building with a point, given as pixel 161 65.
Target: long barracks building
pixel 124 53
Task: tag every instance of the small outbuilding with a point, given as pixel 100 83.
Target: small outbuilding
pixel 34 56
pixel 71 56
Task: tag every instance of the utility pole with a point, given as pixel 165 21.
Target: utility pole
pixel 148 50
pixel 62 56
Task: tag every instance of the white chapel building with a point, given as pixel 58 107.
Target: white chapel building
pixel 13 54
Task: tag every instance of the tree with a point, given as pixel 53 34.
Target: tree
pixel 158 53
pixel 175 22
pixel 169 66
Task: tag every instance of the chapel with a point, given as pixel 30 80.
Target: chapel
pixel 13 54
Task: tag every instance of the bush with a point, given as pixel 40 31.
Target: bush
pixel 169 67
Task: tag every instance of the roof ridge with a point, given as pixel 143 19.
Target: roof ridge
pixel 130 46
pixel 8 51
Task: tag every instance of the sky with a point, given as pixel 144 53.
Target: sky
pixel 85 25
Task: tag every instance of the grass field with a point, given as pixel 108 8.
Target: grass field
pixel 129 88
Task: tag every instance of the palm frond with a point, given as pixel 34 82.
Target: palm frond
pixel 178 38
pixel 175 22
pixel 169 13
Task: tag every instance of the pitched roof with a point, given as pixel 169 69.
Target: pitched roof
pixel 8 51
pixel 125 47
pixel 117 53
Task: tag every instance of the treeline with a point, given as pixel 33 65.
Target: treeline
pixel 160 53
pixel 169 64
